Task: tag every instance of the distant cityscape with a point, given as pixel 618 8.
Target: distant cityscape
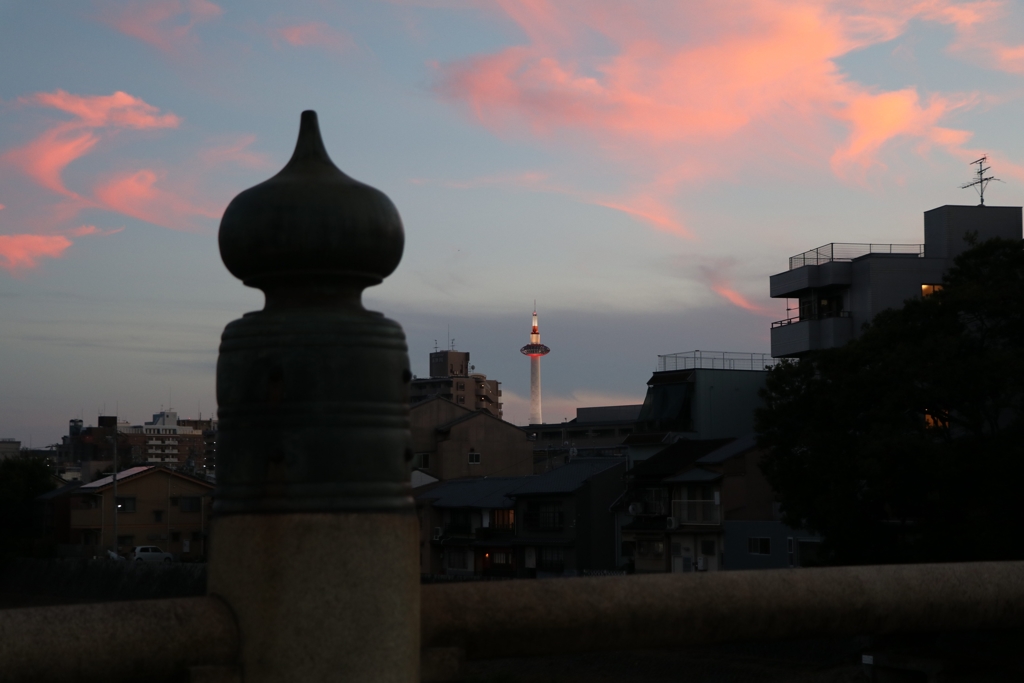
pixel 669 485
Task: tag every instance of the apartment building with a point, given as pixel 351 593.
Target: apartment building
pixel 155 506
pixel 453 378
pixel 832 291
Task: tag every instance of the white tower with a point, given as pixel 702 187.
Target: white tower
pixel 535 350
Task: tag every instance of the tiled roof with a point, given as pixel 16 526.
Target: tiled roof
pixel 478 492
pixel 675 458
pixel 121 476
pixel 568 477
pixel 730 450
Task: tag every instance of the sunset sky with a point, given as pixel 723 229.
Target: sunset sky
pixel 638 168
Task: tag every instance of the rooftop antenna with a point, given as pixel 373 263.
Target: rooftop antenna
pixel 435 346
pixel 982 181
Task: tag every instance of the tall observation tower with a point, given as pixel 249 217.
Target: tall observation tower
pixel 535 350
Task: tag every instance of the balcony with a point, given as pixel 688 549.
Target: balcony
pixel 696 512
pixel 794 337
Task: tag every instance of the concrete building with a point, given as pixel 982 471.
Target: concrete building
pixel 698 395
pixel 838 288
pixel 182 444
pixel 156 506
pixel 452 378
pixel 450 441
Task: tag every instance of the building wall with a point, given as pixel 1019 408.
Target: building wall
pixel 504 449
pixel 595 525
pixel 173 530
pixel 737 545
pixel 882 281
pixel 724 402
pixel 424 419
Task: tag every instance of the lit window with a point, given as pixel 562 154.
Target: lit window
pixel 938 419
pixel 928 290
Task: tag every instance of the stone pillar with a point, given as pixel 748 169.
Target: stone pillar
pixel 314 542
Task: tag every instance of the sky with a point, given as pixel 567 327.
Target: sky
pixel 638 168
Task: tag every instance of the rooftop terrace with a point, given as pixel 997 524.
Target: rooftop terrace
pixel 715 360
pixel 848 251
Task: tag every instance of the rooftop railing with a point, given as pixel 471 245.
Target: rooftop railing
pixel 847 251
pixel 715 360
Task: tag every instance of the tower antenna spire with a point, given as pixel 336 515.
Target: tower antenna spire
pixel 982 181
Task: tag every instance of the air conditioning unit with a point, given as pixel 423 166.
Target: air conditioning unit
pixel 636 508
pixel 437 533
pixel 702 564
pixel 671 522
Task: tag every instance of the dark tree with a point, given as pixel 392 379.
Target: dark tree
pixel 907 445
pixel 21 480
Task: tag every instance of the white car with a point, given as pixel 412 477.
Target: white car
pixel 150 553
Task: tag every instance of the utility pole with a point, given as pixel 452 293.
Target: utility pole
pixel 114 440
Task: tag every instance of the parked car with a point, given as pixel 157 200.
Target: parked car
pixel 150 553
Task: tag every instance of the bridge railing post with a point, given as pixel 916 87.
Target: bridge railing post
pixel 314 542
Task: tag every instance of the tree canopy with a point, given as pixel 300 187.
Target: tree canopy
pixel 907 444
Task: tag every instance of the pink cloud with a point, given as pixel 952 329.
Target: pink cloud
pixel 22 252
pixel 735 298
pixel 235 152
pixel 729 83
pixel 45 158
pixel 137 195
pixel 312 34
pixel 165 24
pixel 84 230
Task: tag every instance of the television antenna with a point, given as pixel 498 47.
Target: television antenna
pixel 982 181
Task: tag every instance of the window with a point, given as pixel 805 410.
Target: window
pixel 474 458
pixel 158 515
pixel 503 519
pixel 759 546
pixel 708 548
pixel 551 559
pixel 175 536
pixel 460 559
pixel 501 558
pixel 423 460
pixel 197 535
pixel 460 399
pixel 656 501
pixel 189 503
pixel 125 504
pixel 126 540
pixel 928 290
pixel 544 516
pixel 936 419
pixel 461 386
pixel 650 548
